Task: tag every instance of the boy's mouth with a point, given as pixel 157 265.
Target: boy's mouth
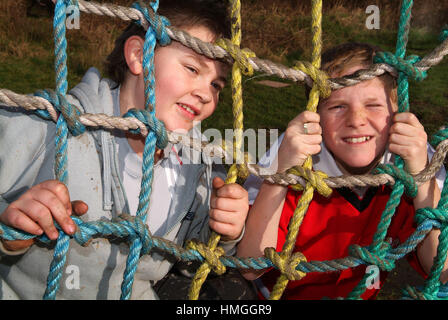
pixel 356 140
pixel 188 109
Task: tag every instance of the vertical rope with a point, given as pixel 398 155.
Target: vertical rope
pixel 148 155
pixel 61 141
pixel 60 48
pixel 432 284
pixel 403 106
pixel 237 108
pixel 307 196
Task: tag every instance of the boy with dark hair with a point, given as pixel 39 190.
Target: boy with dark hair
pixel 105 168
pixel 354 130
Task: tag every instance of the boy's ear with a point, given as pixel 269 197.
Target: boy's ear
pixel 133 53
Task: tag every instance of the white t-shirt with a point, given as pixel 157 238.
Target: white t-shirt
pixel 165 175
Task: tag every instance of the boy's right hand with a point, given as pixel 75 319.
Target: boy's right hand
pixel 297 144
pixel 36 209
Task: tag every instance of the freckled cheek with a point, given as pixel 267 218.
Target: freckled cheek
pixel 382 125
pixel 329 131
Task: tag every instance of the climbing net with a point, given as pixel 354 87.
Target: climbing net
pixel 52 105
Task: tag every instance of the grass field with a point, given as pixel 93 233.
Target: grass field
pixel 275 30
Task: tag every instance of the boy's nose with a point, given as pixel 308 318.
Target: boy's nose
pixel 203 93
pixel 356 117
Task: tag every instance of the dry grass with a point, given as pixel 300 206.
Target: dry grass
pixel 273 29
pixel 276 29
pixel 32 36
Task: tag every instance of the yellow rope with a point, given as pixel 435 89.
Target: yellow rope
pixel 315 178
pixel 307 196
pixel 241 61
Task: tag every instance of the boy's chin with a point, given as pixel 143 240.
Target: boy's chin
pixel 181 128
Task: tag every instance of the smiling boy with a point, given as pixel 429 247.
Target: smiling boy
pixel 105 167
pixel 354 130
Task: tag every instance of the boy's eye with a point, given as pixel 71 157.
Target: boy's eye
pixel 217 86
pixel 191 69
pixel 336 107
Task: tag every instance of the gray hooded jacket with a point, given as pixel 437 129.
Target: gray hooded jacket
pixel 27 158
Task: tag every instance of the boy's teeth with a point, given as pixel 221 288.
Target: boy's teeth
pixel 187 108
pixel 357 140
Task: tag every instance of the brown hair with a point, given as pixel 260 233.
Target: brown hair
pixel 211 14
pixel 337 60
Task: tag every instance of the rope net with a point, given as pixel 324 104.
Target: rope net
pixel 52 105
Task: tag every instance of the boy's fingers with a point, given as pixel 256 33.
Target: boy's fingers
pixel 59 189
pixel 405 129
pixel 409 118
pixel 312 139
pixel 312 128
pixel 224 216
pixel 58 211
pixel 311 121
pixel 16 218
pixel 232 190
pixel 40 214
pixel 312 149
pixel 309 116
pixel 222 228
pixel 227 204
pixel 405 152
pixel 218 183
pixel 79 207
pixel 406 140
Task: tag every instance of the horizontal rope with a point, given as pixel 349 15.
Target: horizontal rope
pixel 9 98
pixel 126 228
pixel 260 65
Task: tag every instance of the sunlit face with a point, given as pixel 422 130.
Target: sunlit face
pixel 187 83
pixel 355 124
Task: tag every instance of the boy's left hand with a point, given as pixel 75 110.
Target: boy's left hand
pixel 229 205
pixel 408 139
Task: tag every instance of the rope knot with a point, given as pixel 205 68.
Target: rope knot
pixel 319 77
pixel 241 56
pixel 402 65
pixel 152 123
pixel 401 175
pixel 315 178
pixel 241 170
pixel 139 229
pixel 211 256
pixel 157 22
pixel 287 265
pixel 69 112
pixel 373 257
